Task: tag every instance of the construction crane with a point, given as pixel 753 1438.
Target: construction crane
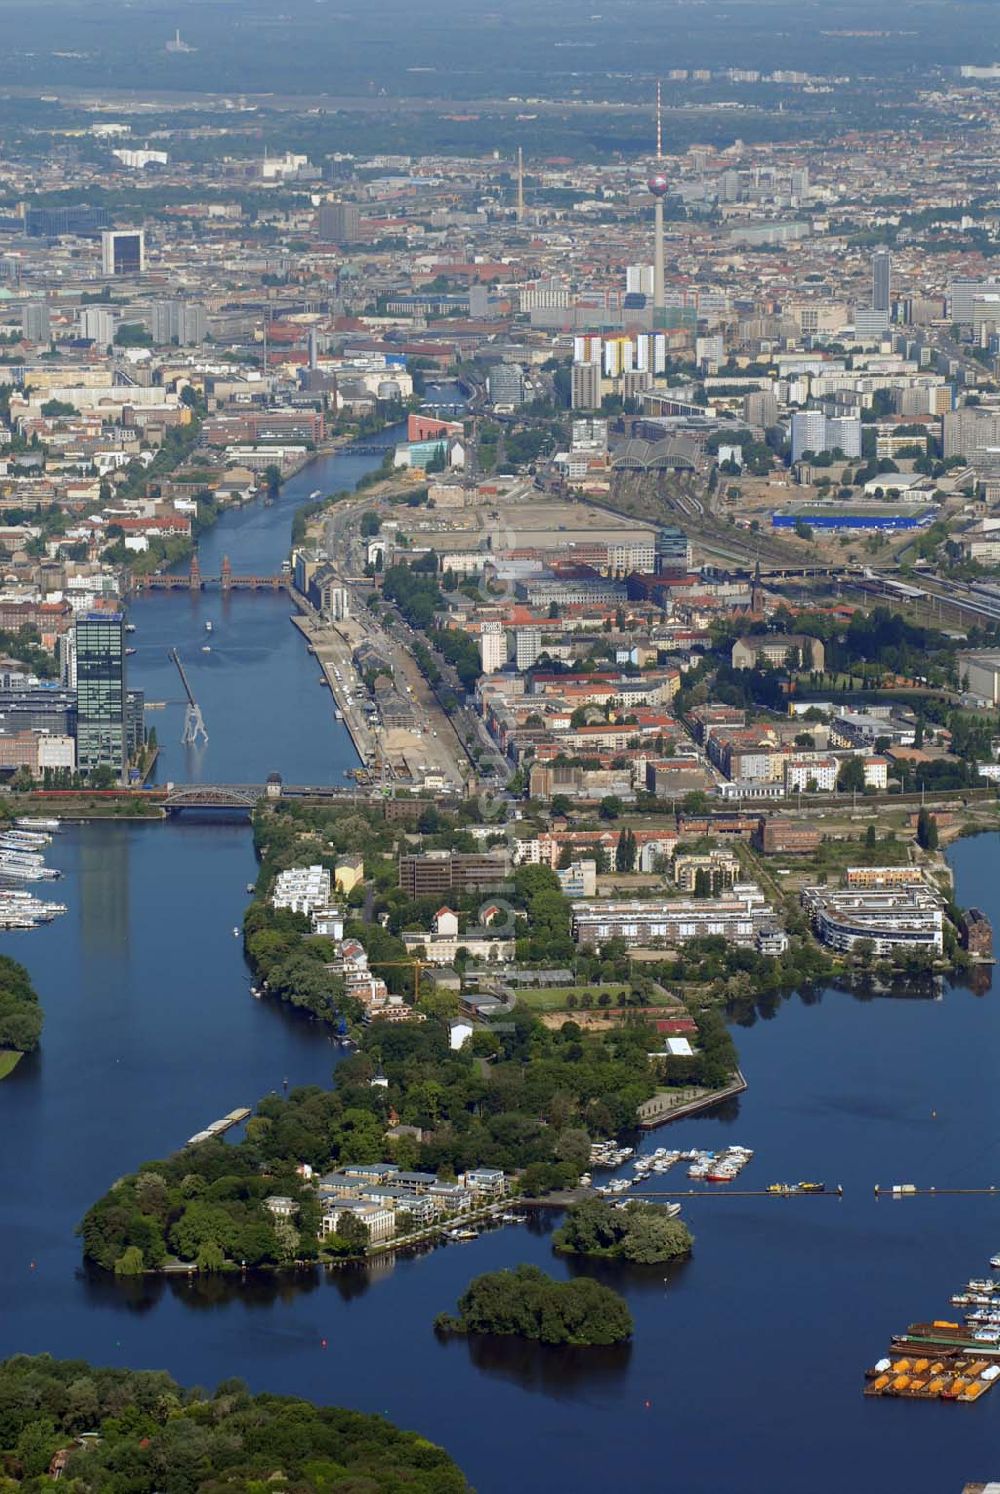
pixel 194 725
pixel 416 965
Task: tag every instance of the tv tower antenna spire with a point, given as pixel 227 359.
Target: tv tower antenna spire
pixel 659 125
pixel 659 186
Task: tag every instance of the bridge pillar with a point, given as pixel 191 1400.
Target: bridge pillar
pixel 194 579
pixel 226 578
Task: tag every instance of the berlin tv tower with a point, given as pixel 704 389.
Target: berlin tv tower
pixel 659 186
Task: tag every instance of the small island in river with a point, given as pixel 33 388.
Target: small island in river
pixel 525 1303
pixel 641 1233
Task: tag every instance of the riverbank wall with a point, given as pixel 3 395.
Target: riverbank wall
pixel 310 626
pixel 658 1110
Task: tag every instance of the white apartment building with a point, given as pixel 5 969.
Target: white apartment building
pixel 810 772
pixel 302 888
pixel 492 646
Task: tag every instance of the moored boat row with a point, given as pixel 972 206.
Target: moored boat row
pixel 945 1360
pixel 22 910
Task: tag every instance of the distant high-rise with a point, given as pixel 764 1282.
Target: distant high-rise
pixel 639 280
pixel 177 44
pixel 182 322
pixel 101 725
pixel 881 280
pixel 97 324
pixel 808 432
pixel 35 325
pixel 527 646
pixel 813 430
pixel 585 386
pixel 339 222
pixel 123 251
pixel 760 409
pixel 973 434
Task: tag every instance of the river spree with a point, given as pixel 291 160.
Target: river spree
pixel 258 688
pixel 746 1369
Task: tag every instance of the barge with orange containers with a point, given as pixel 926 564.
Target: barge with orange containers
pixel 937 1361
pixel 929 1378
pixel 944 1360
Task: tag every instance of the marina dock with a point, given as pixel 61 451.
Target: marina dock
pixel 220 1127
pixel 908 1190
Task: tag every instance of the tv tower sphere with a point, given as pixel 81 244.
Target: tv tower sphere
pixel 658 185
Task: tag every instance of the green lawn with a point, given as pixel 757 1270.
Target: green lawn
pixel 554 998
pixel 9 1060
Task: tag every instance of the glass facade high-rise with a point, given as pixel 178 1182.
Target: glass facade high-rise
pixel 123 251
pixel 101 723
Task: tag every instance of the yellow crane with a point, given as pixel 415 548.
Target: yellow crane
pixel 416 965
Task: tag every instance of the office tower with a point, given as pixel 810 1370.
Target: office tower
pixel 658 185
pixel 180 322
pixel 586 386
pixel 101 729
pixel 339 222
pixel 123 251
pixel 35 325
pixel 493 645
pixel 97 324
pixel 881 280
pixel 962 293
pixel 870 326
pixel 52 223
pixel 673 549
pixel 506 385
pixel 729 186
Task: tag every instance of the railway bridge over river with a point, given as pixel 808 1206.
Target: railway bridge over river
pixel 246 796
